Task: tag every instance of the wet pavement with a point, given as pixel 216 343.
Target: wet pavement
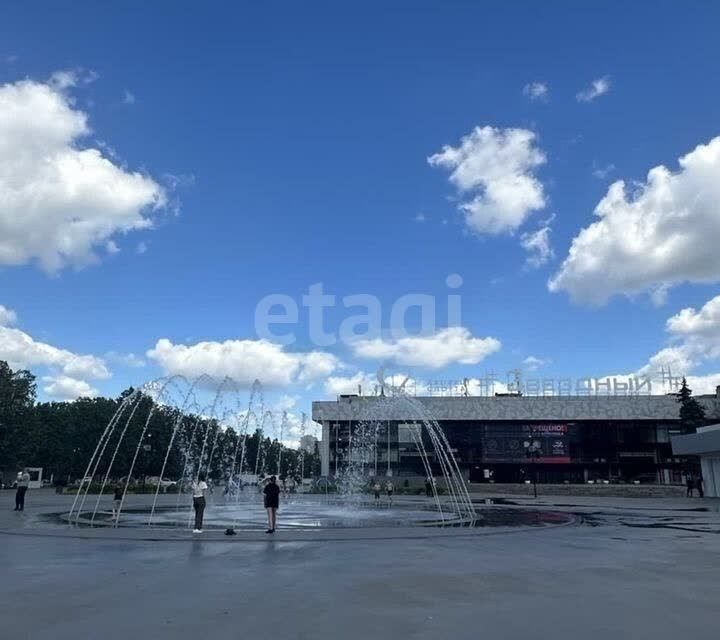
pixel 622 568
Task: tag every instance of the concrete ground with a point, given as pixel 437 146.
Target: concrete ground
pixel 634 568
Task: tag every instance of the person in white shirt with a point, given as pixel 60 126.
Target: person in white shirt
pixel 199 488
pixel 23 482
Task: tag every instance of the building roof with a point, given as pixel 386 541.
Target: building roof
pixel 706 440
pixel 535 408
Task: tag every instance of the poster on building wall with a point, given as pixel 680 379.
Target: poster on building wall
pixel 553 439
pixel 506 443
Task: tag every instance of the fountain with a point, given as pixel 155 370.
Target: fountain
pixel 164 434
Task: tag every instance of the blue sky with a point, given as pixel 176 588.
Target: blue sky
pixel 290 142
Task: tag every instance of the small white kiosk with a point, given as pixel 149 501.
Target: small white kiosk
pixel 36 476
pixel 705 444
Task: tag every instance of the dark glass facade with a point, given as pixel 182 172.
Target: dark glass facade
pixel 495 451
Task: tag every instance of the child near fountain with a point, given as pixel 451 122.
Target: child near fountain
pixel 117 500
pixel 199 488
pixel 272 503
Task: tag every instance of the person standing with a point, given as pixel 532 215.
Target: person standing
pixel 699 485
pixel 390 488
pixel 117 501
pixel 690 484
pixel 429 487
pixel 23 482
pixel 376 490
pixel 272 503
pixel 199 488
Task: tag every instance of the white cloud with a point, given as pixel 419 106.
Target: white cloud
pixel 494 167
pixel 66 388
pixel 536 91
pixel 447 346
pixel 7 316
pixel 703 384
pixel 58 200
pixel 537 244
pixel 244 361
pixel 420 217
pixel 125 359
pixel 128 97
pixel 695 337
pixel 69 78
pixel 603 172
pixel 691 323
pixel 596 89
pixel 665 233
pixel 340 385
pixel 678 360
pixel 531 363
pixel 21 351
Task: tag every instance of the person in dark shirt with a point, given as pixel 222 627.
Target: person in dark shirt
pixel 429 487
pixel 272 502
pixel 117 501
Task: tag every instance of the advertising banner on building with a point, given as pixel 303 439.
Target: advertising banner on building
pixel 506 443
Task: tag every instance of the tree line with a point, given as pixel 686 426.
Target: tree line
pixel 61 437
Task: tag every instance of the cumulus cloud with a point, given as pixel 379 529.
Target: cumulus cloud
pixel 596 89
pixel 69 372
pixel 340 385
pixel 536 91
pixel 703 324
pixel 695 335
pixel 66 388
pixel 493 169
pixel 454 345
pixel 125 359
pixel 695 341
pixel 537 244
pixel 128 97
pixel 60 201
pixel 703 384
pixel 244 361
pixel 532 363
pixel 665 232
pixel 21 351
pixel 7 316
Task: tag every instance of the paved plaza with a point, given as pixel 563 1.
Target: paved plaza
pixel 621 568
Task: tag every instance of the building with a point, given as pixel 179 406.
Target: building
pixel 580 438
pixel 705 444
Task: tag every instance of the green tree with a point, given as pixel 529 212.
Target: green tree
pixel 692 413
pixel 17 398
pixel 61 437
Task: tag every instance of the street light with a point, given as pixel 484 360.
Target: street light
pixel 532 451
